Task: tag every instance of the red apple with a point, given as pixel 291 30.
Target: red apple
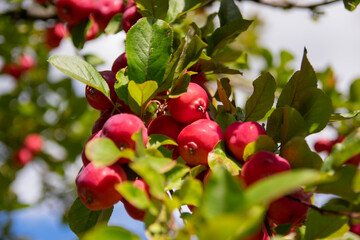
pixel 74 11
pixel 96 186
pixel 120 127
pixel 197 139
pixel 190 106
pixel 34 142
pixel 105 10
pixel 54 35
pixel 239 134
pixel 134 212
pixel 23 156
pixel 288 210
pixel 119 63
pixel 130 17
pixel 261 165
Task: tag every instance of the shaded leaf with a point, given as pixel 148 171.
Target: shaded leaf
pixel 228 12
pixel 262 98
pixel 81 219
pixel 285 123
pixel 263 142
pixel 299 155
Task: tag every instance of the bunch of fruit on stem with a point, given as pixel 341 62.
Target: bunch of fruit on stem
pixel 186 120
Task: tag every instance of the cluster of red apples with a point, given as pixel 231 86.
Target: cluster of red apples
pixel 32 146
pixel 187 121
pixel 99 12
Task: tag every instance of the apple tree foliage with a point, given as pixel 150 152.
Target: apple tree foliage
pixel 162 48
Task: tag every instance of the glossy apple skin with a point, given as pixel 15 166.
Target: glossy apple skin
pixel 287 210
pixel 105 10
pixel 84 159
pixel 96 186
pixel 165 125
pixel 190 106
pixel 74 11
pixel 130 17
pixel 261 165
pixel 134 212
pixel 239 134
pixel 34 142
pixel 97 99
pixel 119 63
pixel 197 139
pixel 120 127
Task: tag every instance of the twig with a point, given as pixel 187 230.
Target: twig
pixel 288 5
pixel 355 215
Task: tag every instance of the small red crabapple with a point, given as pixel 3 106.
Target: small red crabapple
pixel 190 106
pixel 96 186
pixel 197 139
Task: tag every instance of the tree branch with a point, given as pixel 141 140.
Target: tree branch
pixel 323 211
pixel 288 5
pixel 34 12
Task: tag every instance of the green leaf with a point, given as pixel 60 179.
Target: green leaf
pixel 180 86
pixel 121 85
pixel 321 226
pixel 275 186
pixel 174 177
pixel 104 232
pixel 157 140
pixel 298 83
pixel 343 151
pixel 315 107
pixel 285 123
pixel 238 225
pixel 148 49
pixel 218 158
pixel 191 192
pixel 186 55
pixel 223 118
pixel 223 194
pixel 114 25
pixel 299 155
pixel 355 91
pixel 214 67
pixel 93 59
pixel 263 142
pixel 345 184
pixel 154 8
pixel 228 12
pixel 155 180
pixel 178 8
pixel 78 33
pixel 80 70
pixel 140 94
pixel 134 195
pixel 81 219
pixel 224 34
pixel 351 4
pixel 343 116
pixel 262 98
pixel 104 152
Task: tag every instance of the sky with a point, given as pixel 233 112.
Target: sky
pixel 331 40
